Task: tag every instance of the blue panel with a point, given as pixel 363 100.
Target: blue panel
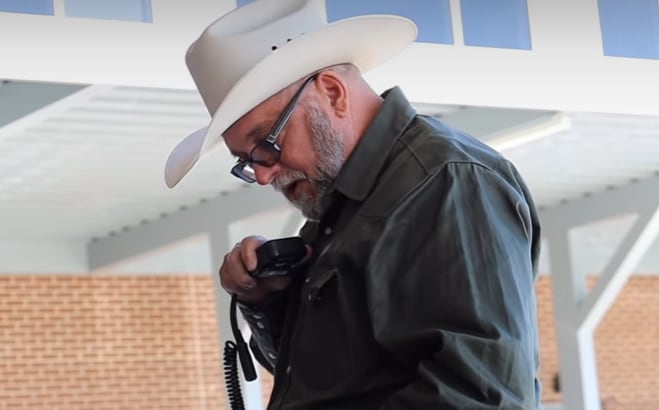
pixel 630 28
pixel 432 17
pixel 28 6
pixel 496 23
pixel 128 10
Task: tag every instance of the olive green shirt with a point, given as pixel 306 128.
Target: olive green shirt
pixel 421 291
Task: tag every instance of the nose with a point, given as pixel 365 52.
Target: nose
pixel 265 175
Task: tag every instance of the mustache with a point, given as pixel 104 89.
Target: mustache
pixel 281 182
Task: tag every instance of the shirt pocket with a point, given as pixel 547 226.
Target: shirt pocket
pixel 321 351
pixel 335 320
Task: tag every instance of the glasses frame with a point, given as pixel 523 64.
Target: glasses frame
pixel 269 144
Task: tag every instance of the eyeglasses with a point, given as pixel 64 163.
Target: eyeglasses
pixel 267 152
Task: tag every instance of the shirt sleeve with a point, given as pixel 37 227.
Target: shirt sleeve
pixel 451 292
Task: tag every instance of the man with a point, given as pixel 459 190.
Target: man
pixel 418 291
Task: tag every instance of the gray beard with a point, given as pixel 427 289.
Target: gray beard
pixel 328 147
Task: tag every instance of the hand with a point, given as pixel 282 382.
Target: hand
pixel 235 278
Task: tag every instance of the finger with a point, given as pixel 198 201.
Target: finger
pixel 266 286
pixel 248 251
pixel 233 274
pixel 239 273
pixel 226 280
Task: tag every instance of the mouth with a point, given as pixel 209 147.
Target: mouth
pixel 290 189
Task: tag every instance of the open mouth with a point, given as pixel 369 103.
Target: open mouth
pixel 290 189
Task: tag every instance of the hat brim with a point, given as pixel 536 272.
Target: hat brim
pixel 364 41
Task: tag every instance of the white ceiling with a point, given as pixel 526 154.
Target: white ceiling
pixel 85 166
pixel 599 152
pixel 91 163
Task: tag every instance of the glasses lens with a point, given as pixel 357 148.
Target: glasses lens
pixel 244 171
pixel 266 154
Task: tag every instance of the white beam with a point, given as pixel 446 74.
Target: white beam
pixel 43 257
pixel 99 51
pixel 26 97
pixel 579 381
pixel 505 128
pixel 57 106
pixel 487 122
pixel 618 201
pixel 564 71
pixel 220 244
pixel 579 385
pixel 456 22
pixel 621 266
pixel 190 256
pixel 577 313
pixel 183 224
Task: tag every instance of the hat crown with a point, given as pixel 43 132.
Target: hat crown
pixel 250 54
pixel 239 40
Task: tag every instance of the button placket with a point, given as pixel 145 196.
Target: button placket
pixel 314 295
pixel 316 284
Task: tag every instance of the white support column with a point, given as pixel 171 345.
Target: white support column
pixel 577 312
pixel 578 381
pixel 456 22
pixel 220 244
pixel 619 269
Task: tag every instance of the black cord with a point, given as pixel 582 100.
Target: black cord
pixel 231 379
pixel 231 353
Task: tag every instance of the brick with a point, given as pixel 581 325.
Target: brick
pixel 150 342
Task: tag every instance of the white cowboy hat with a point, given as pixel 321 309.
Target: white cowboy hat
pixel 255 51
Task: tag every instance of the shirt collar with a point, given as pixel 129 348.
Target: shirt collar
pixel 363 166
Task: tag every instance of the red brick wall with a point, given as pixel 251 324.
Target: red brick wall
pixel 626 343
pixel 150 342
pixel 108 342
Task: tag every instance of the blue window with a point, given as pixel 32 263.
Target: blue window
pixel 630 28
pixel 128 10
pixel 496 23
pixel 28 6
pixel 432 17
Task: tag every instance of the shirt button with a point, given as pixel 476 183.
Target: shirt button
pixel 272 355
pixel 288 370
pixel 328 230
pixel 260 325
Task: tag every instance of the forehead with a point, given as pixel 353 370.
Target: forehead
pixel 256 123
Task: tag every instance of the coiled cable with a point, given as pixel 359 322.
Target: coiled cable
pixel 231 379
pixel 233 351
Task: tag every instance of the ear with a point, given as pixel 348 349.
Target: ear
pixel 334 92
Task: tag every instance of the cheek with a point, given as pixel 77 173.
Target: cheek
pixel 304 163
pixel 299 155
